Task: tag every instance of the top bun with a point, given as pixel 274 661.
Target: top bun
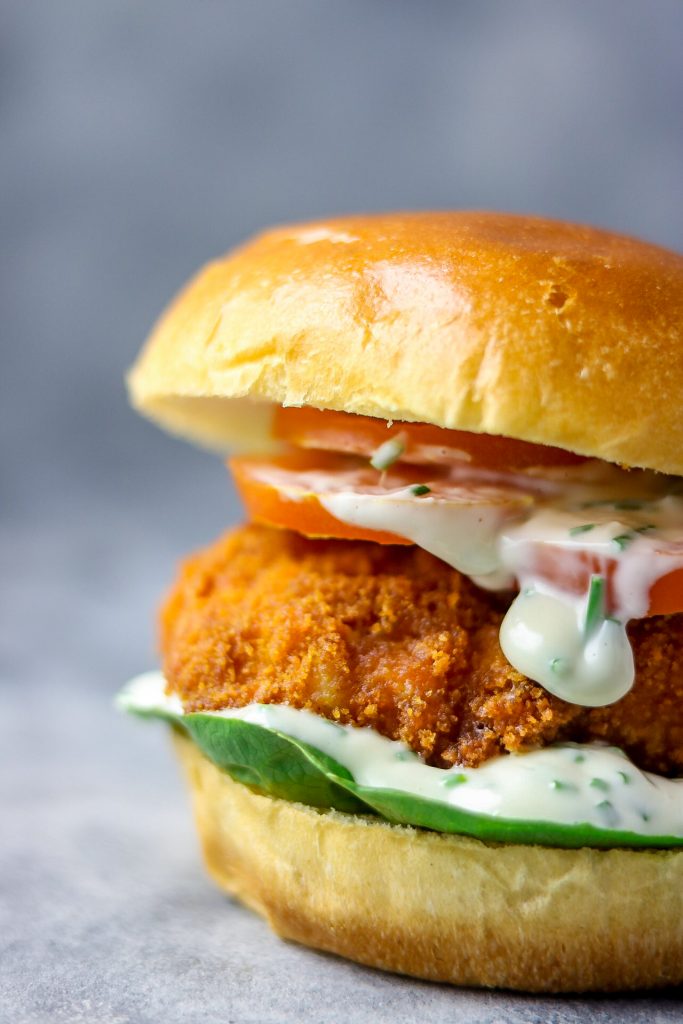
pixel 548 332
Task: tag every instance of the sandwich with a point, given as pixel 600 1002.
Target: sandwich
pixel 429 699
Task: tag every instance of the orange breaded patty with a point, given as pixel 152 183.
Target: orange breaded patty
pixel 393 638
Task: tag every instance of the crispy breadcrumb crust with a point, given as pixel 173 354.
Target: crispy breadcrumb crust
pixel 393 638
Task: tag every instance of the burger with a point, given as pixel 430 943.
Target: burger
pixel 430 698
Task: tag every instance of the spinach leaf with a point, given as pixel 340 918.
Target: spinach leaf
pixel 280 766
pixel 271 762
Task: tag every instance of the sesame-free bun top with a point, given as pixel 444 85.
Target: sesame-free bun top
pixel 536 329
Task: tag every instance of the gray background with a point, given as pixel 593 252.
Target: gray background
pixel 138 140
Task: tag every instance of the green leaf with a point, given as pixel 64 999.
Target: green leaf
pixel 283 767
pixel 271 762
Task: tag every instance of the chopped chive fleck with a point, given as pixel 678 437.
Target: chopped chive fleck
pixel 599 784
pixel 607 810
pixel 645 816
pixel 625 777
pixel 623 540
pixel 579 758
pixel 584 528
pixel 387 453
pixel 560 666
pixel 628 505
pixel 558 784
pixel 418 489
pixel 646 528
pixel 404 755
pixel 595 605
pixel 454 780
pixel 625 505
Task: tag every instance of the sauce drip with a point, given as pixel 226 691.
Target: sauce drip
pixel 622 530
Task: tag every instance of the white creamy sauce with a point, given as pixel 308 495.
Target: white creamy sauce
pixel 565 784
pixel 544 636
pixel 465 536
pixel 623 524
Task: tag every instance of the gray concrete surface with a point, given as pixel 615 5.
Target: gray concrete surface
pixel 137 140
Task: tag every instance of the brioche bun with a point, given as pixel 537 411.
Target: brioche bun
pixel 442 907
pixel 548 332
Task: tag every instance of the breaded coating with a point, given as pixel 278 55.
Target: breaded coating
pixel 648 722
pixel 393 638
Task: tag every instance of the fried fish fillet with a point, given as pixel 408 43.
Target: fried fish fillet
pixel 391 637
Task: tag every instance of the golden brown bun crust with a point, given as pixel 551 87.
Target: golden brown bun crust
pixel 550 332
pixel 445 908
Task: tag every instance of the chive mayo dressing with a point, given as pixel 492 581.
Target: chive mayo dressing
pixel 497 531
pixel 566 784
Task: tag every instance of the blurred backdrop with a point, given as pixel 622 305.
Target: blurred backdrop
pixel 138 140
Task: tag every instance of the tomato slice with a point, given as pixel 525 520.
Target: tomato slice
pixel 279 492
pixel 292 491
pixel 423 443
pixel 571 569
pixel 666 594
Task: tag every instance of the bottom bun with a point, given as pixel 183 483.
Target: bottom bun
pixel 442 907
